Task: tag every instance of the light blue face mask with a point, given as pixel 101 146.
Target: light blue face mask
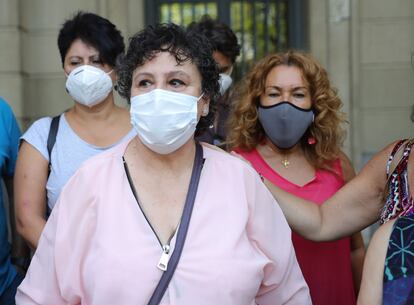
pixel 285 123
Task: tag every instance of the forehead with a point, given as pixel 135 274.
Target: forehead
pixel 284 75
pixel 80 48
pixel 165 62
pixel 221 59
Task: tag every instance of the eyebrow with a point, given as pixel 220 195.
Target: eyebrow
pixel 169 74
pixel 80 57
pixel 178 72
pixel 294 87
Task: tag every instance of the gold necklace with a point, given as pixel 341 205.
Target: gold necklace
pixel 285 162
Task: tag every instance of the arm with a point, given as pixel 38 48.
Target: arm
pixel 20 250
pixel 354 207
pixel 373 273
pixel 30 193
pixel 357 242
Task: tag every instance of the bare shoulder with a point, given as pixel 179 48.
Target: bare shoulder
pixel 384 153
pixel 27 152
pixel 375 169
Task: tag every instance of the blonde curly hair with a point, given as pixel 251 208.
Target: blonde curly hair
pixel 245 130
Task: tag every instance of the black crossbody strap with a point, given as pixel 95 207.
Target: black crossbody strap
pixel 51 139
pixel 182 230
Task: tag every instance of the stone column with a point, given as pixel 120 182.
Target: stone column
pixel 10 60
pixel 43 78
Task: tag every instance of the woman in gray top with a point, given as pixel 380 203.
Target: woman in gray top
pixel 89 46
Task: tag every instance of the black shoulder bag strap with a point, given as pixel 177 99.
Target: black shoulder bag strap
pixel 182 230
pixel 51 139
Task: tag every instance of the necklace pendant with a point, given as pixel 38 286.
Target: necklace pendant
pixel 285 163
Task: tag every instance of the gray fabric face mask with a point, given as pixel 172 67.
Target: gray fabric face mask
pixel 285 123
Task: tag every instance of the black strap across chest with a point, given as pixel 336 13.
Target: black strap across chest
pixel 51 138
pixel 182 230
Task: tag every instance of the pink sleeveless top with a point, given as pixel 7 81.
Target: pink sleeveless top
pixel 326 266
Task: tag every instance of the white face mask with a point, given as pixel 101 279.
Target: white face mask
pixel 88 85
pixel 164 120
pixel 225 81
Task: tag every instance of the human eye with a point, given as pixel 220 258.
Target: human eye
pixel 273 94
pixel 97 63
pixel 144 83
pixel 299 95
pixel 176 83
pixel 75 62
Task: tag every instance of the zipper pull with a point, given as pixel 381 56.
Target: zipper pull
pixel 165 257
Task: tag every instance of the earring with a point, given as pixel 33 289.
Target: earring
pixel 205 111
pixel 311 140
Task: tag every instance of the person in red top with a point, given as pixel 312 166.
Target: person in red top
pixel 287 124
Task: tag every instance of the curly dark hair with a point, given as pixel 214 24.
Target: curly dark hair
pixel 220 35
pixel 95 31
pixel 184 46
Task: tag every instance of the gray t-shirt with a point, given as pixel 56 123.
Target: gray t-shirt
pixel 68 154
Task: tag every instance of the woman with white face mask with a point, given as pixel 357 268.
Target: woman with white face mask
pixel 162 219
pixel 89 46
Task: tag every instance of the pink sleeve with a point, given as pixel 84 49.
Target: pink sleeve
pixel 283 281
pixel 54 276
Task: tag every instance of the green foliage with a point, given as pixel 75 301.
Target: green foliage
pixel 260 26
pixel 185 13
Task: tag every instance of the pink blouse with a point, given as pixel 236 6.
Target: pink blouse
pixel 98 248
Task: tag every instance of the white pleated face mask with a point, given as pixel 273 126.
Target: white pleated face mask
pixel 225 82
pixel 164 120
pixel 88 85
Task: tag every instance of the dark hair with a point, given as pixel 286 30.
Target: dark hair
pixel 95 31
pixel 184 46
pixel 221 37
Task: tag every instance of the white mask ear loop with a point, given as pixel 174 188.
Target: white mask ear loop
pixel 200 97
pixel 205 108
pixel 230 72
